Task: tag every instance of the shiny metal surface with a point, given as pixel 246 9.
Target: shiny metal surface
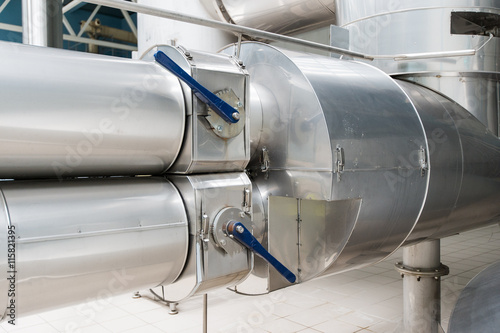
pixel 42 23
pixel 90 239
pixel 312 107
pixel 464 167
pixel 208 266
pixel 477 92
pixel 153 30
pixel 293 221
pixel 277 16
pixel 203 150
pixel 219 229
pixel 478 307
pixel 308 223
pixel 201 21
pixel 74 114
pixel 381 27
pixel 422 294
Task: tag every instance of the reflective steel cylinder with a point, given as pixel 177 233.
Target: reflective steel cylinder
pixel 381 27
pixel 86 239
pixel 422 295
pixel 42 23
pixel 278 16
pixel 334 132
pixel 464 167
pixel 73 114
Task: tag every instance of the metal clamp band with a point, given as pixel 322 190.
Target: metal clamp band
pixel 437 272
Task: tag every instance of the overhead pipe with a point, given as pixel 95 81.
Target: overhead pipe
pixel 257 33
pixel 283 17
pixel 238 29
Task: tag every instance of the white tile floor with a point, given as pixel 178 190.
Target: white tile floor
pixel 367 300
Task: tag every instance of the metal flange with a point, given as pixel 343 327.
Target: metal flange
pixel 221 127
pixel 220 238
pixel 435 273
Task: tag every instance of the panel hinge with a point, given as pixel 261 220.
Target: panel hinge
pixel 247 200
pixel 339 161
pixel 265 162
pixel 422 160
pixel 205 227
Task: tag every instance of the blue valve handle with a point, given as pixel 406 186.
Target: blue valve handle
pixel 224 110
pixel 245 237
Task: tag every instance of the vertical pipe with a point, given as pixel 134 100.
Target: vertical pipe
pixel 422 294
pixel 205 313
pixel 42 23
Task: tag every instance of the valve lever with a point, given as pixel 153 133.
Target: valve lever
pixel 224 110
pixel 238 231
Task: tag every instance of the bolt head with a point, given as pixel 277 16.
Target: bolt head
pixel 239 229
pixel 236 115
pixel 223 242
pixel 219 128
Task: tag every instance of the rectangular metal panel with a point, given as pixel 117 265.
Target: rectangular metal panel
pixel 204 150
pixel 307 236
pixel 283 237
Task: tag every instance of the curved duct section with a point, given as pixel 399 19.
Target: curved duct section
pixel 477 307
pixel 330 151
pixel 351 164
pixel 283 17
pixel 464 166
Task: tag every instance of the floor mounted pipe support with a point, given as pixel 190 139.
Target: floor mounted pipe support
pixel 422 270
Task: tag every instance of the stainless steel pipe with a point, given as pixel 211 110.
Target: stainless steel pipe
pixel 277 16
pixel 394 27
pixel 42 23
pixel 422 295
pixel 238 29
pixel 67 242
pixel 464 167
pixel 73 114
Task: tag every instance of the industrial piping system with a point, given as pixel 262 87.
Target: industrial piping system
pixel 175 169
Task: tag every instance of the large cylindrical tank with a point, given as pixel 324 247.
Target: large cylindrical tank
pixel 380 27
pixel 64 242
pixel 278 16
pixel 74 114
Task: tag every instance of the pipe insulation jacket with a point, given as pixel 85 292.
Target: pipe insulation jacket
pixel 87 239
pixel 73 114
